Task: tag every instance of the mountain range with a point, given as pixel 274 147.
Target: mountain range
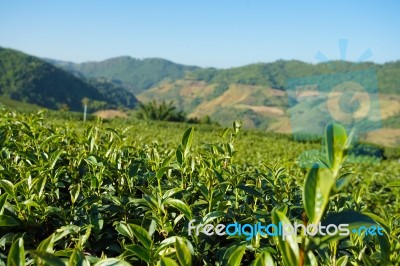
pixel 255 94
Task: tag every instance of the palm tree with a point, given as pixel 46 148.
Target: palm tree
pixel 164 111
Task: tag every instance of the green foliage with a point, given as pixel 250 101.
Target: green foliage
pixel 183 252
pixel 134 74
pixel 250 118
pixel 108 194
pixel 117 96
pixel 276 74
pixel 144 77
pixel 31 80
pixel 163 112
pixel 17 105
pixel 167 112
pixel 219 89
pixel 16 256
pixel 138 76
pixel 391 122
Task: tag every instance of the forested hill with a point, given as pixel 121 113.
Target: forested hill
pixel 135 74
pixel 29 79
pixel 276 74
pixel 253 93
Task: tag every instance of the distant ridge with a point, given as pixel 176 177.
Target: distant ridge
pixel 139 75
pixel 253 93
pixel 136 75
pixel 29 79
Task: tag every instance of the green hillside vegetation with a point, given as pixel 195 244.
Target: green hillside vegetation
pixel 31 80
pixel 17 105
pixel 140 75
pixel 276 74
pixel 135 74
pixel 110 90
pixel 256 93
pixel 247 92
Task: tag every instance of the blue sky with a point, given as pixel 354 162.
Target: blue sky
pixel 218 33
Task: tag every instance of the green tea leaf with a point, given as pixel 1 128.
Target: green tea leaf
pixel 48 258
pixel 187 140
pixel 179 156
pixel 236 126
pixel 165 261
pixel 165 244
pixel 233 255
pixel 3 199
pixel 170 193
pixel 342 181
pixel 139 251
pixel 250 190
pixel 142 235
pixel 379 220
pixel 309 191
pixel 213 215
pixel 16 256
pixel 288 248
pixel 183 252
pixel 342 261
pixel 41 183
pixel 78 258
pixel 316 192
pixel 8 187
pixel 112 262
pixel 161 171
pixel 74 191
pixel 264 259
pixel 336 140
pixel 180 205
pixel 47 244
pixel 55 158
pixel 124 230
pixel 393 184
pixel 6 220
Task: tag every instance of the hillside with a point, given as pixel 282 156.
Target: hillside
pixel 255 94
pixel 276 74
pixel 29 79
pixel 134 74
pixel 140 75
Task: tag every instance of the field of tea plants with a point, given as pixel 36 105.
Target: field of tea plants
pixel 124 192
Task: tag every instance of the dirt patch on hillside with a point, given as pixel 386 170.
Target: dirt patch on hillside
pixel 109 114
pixel 234 95
pixel 275 92
pixel 193 89
pixel 283 125
pixel 389 106
pixel 264 110
pixel 384 136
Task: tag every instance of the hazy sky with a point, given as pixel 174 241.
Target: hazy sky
pixel 219 33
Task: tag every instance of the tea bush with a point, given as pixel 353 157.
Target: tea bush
pixel 117 194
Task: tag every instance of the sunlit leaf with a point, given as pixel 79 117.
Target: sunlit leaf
pixel 16 256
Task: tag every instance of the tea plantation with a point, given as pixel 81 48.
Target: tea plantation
pixel 125 192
